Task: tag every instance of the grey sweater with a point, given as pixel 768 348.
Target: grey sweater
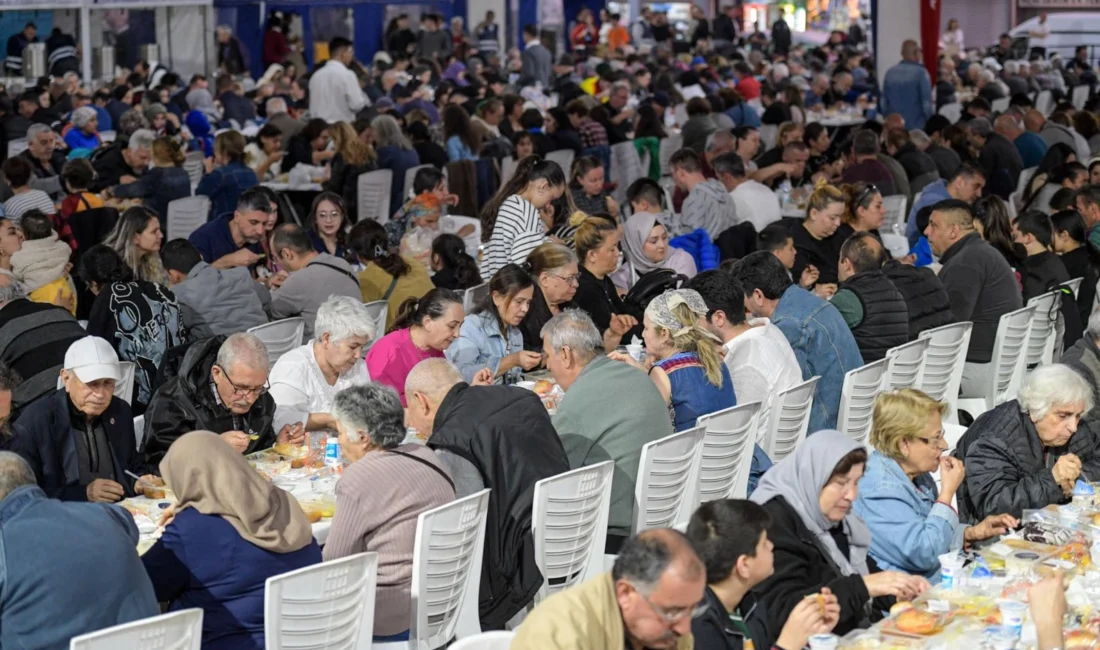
pixel 709 206
pixel 220 302
pixel 303 292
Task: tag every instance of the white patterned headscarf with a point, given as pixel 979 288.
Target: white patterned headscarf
pixel 660 312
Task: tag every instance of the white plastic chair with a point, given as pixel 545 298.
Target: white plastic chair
pixel 1000 105
pixel 373 195
pixel 107 136
pixel 857 399
pixel 727 452
pixel 790 419
pixel 508 169
pixel 1043 337
pixel 379 310
pixel 139 431
pixel 1025 180
pixel 1080 96
pixel 474 295
pixel 176 631
pixel 124 389
pixel 187 215
pixel 1006 370
pixel 666 147
pixel 895 207
pixel 681 113
pixel 952 111
pixel 943 367
pixel 769 135
pixel 16 147
pixel 193 165
pixel 626 167
pixel 1075 286
pixel 327 605
pixel 564 158
pixel 664 491
pixel 498 640
pixel 569 524
pixel 446 574
pixel 1044 103
pixel 410 178
pixel 452 223
pixel 906 365
pixel 281 336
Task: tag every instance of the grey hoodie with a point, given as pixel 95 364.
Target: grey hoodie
pixel 708 206
pixel 220 302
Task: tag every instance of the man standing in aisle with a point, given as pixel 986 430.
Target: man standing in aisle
pixel 334 92
pixel 907 88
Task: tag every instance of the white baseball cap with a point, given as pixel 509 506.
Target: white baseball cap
pixel 92 358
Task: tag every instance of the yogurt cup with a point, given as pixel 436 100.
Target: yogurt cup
pixel 824 642
pixel 1002 638
pixel 1013 613
pixel 951 573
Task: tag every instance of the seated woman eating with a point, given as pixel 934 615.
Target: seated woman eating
pixel 911 523
pixel 233 531
pixel 1028 452
pixel 819 542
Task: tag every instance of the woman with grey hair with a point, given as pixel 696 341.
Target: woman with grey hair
pixel 84 133
pixel 305 380
pixel 383 490
pixel 395 153
pixel 1029 452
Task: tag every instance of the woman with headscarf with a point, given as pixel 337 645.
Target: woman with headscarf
pixel 456 74
pixel 232 531
pixel 84 133
pixel 645 245
pixel 198 120
pixel 819 543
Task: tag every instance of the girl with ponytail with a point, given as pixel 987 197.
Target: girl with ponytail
pixel 422 329
pixel 387 275
pixel 510 223
pixel 453 266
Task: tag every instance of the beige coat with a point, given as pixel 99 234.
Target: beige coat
pixel 585 617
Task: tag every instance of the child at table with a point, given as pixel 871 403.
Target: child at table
pixel 77 176
pixel 42 264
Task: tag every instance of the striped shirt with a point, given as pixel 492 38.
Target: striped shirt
pixel 518 231
pixel 592 133
pixel 20 204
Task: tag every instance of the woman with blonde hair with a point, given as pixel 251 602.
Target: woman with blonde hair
pixel 864 210
pixel 352 158
pixel 231 176
pixel 912 522
pixel 816 240
pixel 164 183
pixel 597 245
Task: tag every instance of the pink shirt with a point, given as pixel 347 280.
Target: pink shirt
pixel 391 358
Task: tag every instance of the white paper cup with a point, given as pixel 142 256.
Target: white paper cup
pixel 951 565
pixel 635 351
pixel 1013 613
pixel 824 642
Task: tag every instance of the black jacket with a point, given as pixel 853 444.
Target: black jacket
pixel 1084 357
pixel 1001 164
pixel 506 433
pixel 1041 274
pixel 924 295
pixel 714 630
pixel 186 403
pixel 45 437
pixel 947 161
pixel 802 568
pixel 344 180
pixel 1007 468
pixel 110 166
pixel 1079 265
pixel 981 288
pixel 915 162
pixel 885 322
pixel 600 300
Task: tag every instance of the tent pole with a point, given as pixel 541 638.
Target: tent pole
pixel 86 44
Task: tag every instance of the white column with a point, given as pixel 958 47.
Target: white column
pixel 895 23
pixel 86 45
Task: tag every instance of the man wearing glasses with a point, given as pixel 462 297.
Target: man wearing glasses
pixel 648 600
pixel 221 386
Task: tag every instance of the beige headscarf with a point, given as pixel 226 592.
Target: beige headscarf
pixel 210 476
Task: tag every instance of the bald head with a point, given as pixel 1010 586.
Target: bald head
pixel 894 121
pixel 1007 126
pixel 910 50
pixel 432 378
pixel 1034 121
pixel 644 558
pixel 15 472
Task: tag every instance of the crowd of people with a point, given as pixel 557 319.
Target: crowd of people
pixel 759 257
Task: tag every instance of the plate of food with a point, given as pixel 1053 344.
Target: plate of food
pixel 916 619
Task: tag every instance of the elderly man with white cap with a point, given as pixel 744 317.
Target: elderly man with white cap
pixel 80 440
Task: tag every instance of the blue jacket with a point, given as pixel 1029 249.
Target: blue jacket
pixel 907 89
pixel 459 150
pixel 225 185
pixel 66 569
pixel 702 249
pixel 932 194
pixel 480 345
pixel 823 345
pixel 744 115
pixel 909 530
pixel 202 561
pixel 45 437
pixel 158 187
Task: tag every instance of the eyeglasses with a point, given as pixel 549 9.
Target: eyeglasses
pixel 935 442
pixel 675 615
pixel 330 216
pixel 868 191
pixel 569 279
pixel 241 391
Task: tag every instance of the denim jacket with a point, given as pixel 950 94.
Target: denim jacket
pixel 909 529
pixel 823 345
pixel 907 89
pixel 480 345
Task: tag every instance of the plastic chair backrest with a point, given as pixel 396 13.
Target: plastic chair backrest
pixel 497 640
pixel 1000 105
pixel 16 147
pixel 180 630
pixel 1044 103
pixel 474 295
pixel 187 215
pixel 727 452
pixel 664 492
pixel 857 399
pixel 410 177
pixel 790 418
pixel 666 147
pixel 1042 337
pixel 378 310
pixel 139 431
pixel 373 192
pixel 446 576
pixel 193 165
pixel 895 207
pixel 108 136
pixel 943 366
pixel 906 365
pixel 564 158
pixel 1080 96
pixel 1074 285
pixel 1025 180
pixel 626 167
pixel 769 134
pixel 952 111
pixel 508 169
pixel 1009 356
pixel 569 524
pixel 124 388
pixel 327 605
pixel 453 223
pixel 281 336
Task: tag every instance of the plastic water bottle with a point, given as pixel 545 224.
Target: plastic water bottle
pixel 332 452
pixel 784 193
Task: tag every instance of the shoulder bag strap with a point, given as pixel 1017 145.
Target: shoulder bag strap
pixel 336 268
pixel 424 462
pixel 389 292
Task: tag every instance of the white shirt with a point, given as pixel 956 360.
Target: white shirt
pixel 334 93
pixel 1039 41
pixel 757 203
pixel 299 388
pixel 761 364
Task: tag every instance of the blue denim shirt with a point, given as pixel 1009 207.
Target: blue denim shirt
pixel 909 530
pixel 823 345
pixel 480 345
pixel 932 194
pixel 225 185
pixel 907 89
